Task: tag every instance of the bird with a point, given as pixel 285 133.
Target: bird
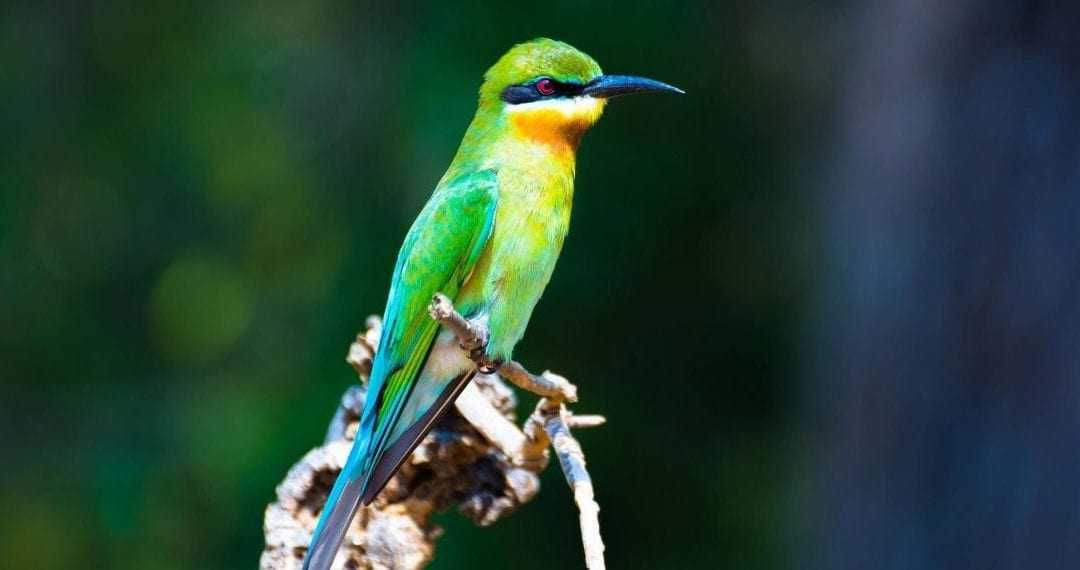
pixel 488 239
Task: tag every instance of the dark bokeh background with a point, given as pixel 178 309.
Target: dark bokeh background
pixel 827 299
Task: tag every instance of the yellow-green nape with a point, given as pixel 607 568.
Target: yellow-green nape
pixel 540 57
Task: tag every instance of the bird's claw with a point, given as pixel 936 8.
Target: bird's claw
pixel 477 345
pixel 486 365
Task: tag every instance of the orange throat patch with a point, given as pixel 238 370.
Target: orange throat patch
pixel 558 124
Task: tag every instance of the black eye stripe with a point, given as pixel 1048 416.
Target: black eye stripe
pixel 527 92
pixel 519 94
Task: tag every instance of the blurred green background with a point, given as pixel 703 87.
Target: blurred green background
pixel 201 203
pixel 829 300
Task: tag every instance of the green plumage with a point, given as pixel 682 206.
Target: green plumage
pixel 488 239
pixel 439 251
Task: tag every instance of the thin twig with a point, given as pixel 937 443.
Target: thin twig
pixel 549 423
pixel 548 384
pixel 473 337
pixel 586 421
pixel 572 459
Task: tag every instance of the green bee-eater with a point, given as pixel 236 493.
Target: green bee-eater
pixel 488 239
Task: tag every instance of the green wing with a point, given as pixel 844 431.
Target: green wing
pixel 439 252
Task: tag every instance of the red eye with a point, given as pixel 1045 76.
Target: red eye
pixel 545 86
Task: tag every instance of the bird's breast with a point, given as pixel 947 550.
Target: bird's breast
pixel 531 223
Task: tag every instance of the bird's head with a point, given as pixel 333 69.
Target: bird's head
pixel 552 93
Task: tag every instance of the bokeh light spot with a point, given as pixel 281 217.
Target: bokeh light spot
pixel 200 307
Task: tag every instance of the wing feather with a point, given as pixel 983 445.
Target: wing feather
pixel 442 248
pixel 438 254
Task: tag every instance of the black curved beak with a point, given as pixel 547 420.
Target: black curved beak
pixel 615 85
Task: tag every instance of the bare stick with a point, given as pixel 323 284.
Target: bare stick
pixel 572 459
pixel 586 421
pixel 397 531
pixel 473 337
pixel 446 470
pixel 548 384
pixel 551 422
pixel 490 422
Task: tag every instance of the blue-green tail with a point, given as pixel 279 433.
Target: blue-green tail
pixel 369 468
pixel 341 506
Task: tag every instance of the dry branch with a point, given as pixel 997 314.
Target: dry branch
pixel 556 422
pixel 476 458
pixel 572 459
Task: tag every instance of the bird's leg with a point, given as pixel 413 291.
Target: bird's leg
pixel 477 347
pixel 473 337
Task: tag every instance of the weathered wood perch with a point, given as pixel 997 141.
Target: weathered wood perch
pixel 476 458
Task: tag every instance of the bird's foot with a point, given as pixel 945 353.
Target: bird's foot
pixel 477 348
pixel 486 365
pixel 476 342
pixel 472 334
